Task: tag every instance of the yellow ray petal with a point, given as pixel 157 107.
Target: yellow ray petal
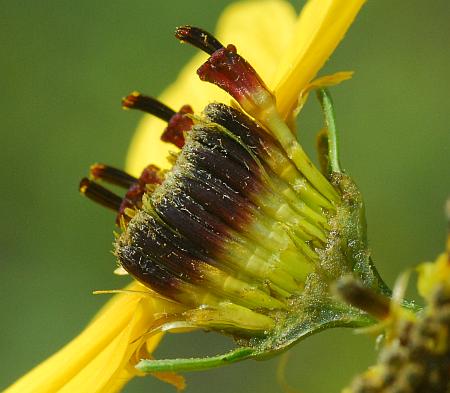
pixel 250 25
pixel 324 81
pixel 95 359
pixel 321 26
pixel 95 377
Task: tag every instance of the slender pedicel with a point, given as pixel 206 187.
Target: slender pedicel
pixel 112 175
pixel 199 38
pixel 148 105
pixel 100 195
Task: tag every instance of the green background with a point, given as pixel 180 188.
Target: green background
pixel 64 67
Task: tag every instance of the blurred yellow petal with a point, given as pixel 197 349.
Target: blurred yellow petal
pixel 261 30
pixel 320 27
pixel 97 360
pixel 432 274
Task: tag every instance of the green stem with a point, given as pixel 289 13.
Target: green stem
pixel 195 364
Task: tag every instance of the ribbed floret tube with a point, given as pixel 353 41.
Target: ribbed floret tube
pixel 229 232
pixel 265 146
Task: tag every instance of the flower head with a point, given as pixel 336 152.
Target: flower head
pixel 234 230
pixel 243 231
pixel 238 231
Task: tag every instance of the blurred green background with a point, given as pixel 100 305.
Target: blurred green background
pixel 64 67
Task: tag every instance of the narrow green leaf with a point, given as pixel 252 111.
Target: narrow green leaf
pixel 330 121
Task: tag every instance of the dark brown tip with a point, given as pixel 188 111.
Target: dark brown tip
pixel 149 272
pixel 99 194
pixel 235 175
pixel 148 105
pixel 112 175
pixel 199 38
